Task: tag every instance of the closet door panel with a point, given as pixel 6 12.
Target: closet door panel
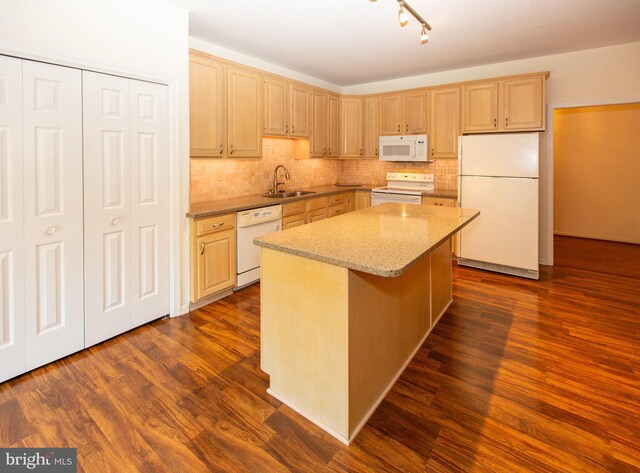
pixel 52 121
pixel 149 202
pixel 12 345
pixel 107 206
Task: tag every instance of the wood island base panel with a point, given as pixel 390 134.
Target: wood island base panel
pixel 334 337
pixel 335 340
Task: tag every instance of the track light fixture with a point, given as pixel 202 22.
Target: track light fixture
pixel 403 18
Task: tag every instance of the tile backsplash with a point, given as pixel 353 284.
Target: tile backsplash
pixel 216 179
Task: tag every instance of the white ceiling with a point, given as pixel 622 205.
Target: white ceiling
pixel 350 42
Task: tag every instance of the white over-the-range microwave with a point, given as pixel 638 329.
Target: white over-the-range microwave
pixel 412 148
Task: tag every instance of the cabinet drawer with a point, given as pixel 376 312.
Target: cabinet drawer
pixel 317 214
pixel 293 221
pixel 336 210
pixel 336 199
pixel 294 208
pixel 218 223
pixel 440 202
pixel 317 203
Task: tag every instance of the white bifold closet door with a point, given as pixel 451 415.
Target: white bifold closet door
pixel 12 343
pixel 125 204
pixel 53 256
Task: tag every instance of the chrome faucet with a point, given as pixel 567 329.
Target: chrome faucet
pixel 275 178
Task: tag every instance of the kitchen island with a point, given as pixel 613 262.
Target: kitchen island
pixel 347 302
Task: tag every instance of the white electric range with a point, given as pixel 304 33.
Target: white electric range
pixel 403 188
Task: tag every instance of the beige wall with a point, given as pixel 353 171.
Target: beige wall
pixel 597 172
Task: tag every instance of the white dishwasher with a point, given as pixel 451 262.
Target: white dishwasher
pixel 251 224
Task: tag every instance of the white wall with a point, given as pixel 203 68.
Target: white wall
pixel 144 39
pixel 231 55
pixel 590 77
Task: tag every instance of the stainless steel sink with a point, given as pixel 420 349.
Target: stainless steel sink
pixel 283 195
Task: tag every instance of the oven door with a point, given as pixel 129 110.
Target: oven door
pixel 378 198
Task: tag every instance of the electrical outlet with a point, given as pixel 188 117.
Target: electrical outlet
pixel 220 175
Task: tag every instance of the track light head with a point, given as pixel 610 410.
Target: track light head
pixel 403 18
pixel 424 37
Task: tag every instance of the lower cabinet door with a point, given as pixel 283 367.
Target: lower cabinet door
pixel 293 221
pixel 216 263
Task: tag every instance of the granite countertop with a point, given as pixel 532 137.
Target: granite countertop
pixel 237 204
pixel 383 240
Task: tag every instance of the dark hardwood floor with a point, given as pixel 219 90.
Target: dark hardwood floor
pixel 519 375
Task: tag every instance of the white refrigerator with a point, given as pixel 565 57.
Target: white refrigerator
pixel 498 175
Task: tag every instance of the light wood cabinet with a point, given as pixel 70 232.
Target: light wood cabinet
pixel 444 122
pixel 213 256
pixel 319 125
pixel 444 202
pixel 370 137
pixel 207 107
pixel 523 103
pixel 315 215
pixel 513 104
pixel 225 115
pixel 287 108
pixel 333 126
pixel 414 112
pixel 300 111
pixel 336 210
pixel 244 112
pixel 351 127
pixel 324 135
pixel 403 113
pixel 293 221
pixel 276 105
pixel 480 107
pixel 349 202
pixel 390 117
pixel 363 199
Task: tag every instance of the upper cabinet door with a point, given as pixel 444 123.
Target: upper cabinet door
pixel 351 130
pixel 12 313
pixel 206 107
pixel 390 114
pixel 244 113
pixel 276 101
pixel 370 122
pixel 300 111
pixel 523 103
pixel 333 127
pixel 52 98
pixel 414 108
pixel 318 140
pixel 444 122
pixel 480 107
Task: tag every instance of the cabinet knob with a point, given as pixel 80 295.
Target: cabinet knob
pixel 114 221
pixel 201 248
pixel 286 129
pixel 221 149
pixel 217 225
pixel 51 230
pixel 360 151
pixel 293 129
pixel 398 127
pixel 406 128
pixel 495 122
pixel 376 151
pixel 231 149
pixel 506 121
